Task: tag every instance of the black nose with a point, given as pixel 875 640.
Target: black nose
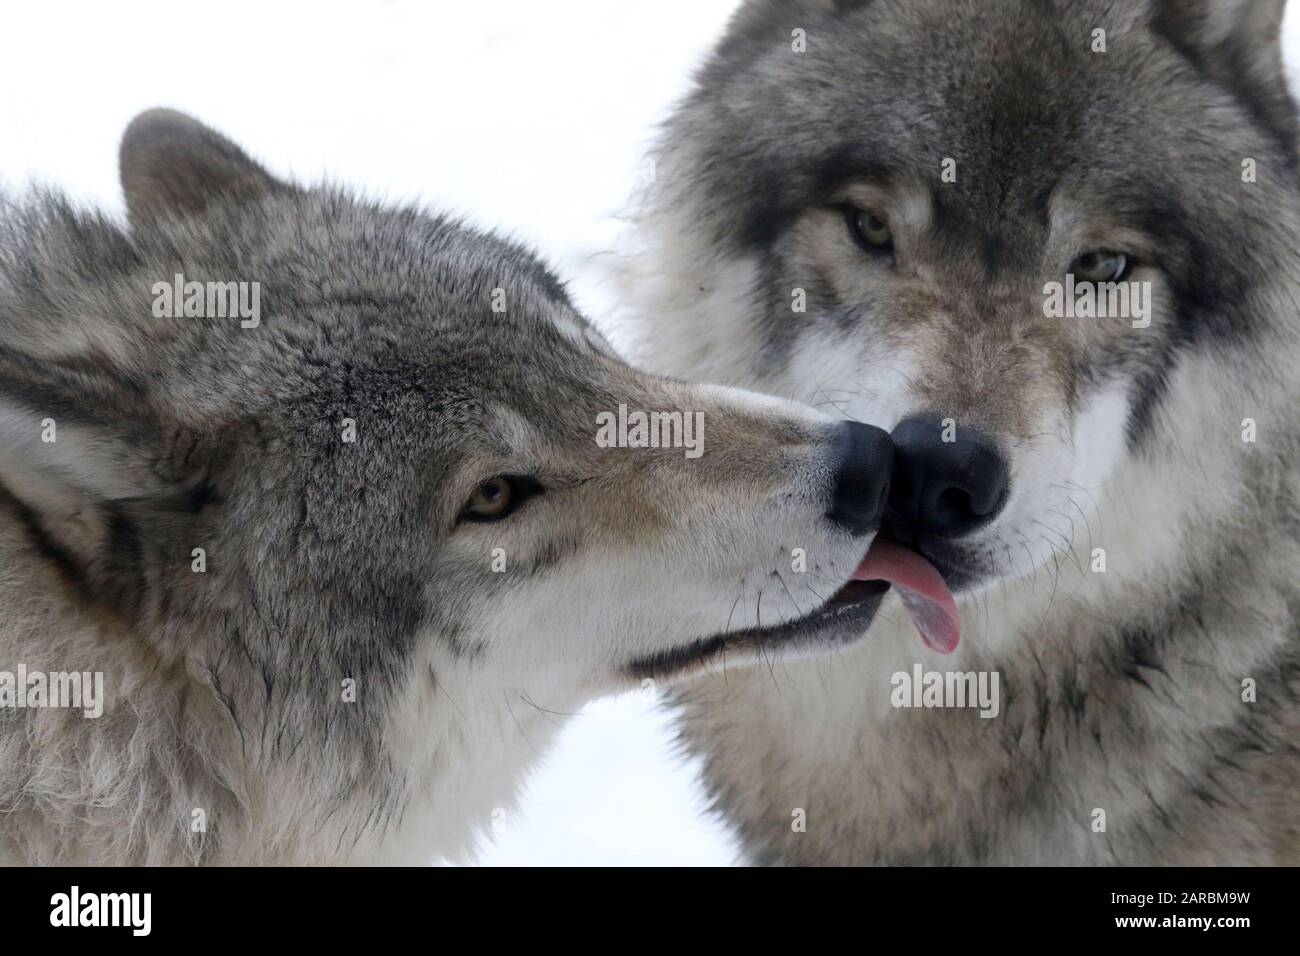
pixel 946 482
pixel 861 491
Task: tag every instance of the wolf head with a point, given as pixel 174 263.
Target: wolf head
pixel 1052 246
pixel 396 484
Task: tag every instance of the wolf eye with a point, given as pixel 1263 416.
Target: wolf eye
pixel 1102 265
pixel 869 230
pixel 499 497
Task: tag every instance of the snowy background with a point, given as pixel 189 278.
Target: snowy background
pixel 527 116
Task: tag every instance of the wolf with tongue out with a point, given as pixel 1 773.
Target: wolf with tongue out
pixel 1116 509
pixel 943 487
pixel 921 588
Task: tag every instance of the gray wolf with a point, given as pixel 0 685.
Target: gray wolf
pixel 1111 499
pixel 345 561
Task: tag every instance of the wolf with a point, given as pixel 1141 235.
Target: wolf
pixel 870 205
pixel 343 569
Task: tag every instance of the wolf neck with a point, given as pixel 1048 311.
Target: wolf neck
pixel 1097 668
pixel 468 737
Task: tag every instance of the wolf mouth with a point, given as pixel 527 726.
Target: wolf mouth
pixel 920 584
pixel 959 572
pixel 843 618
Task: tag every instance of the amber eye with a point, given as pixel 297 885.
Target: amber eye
pixel 499 497
pixel 1102 265
pixel 869 230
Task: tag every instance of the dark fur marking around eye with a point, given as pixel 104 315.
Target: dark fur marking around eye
pixel 551 554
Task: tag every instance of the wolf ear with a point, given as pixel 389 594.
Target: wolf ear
pixel 1238 43
pixel 85 483
pixel 173 165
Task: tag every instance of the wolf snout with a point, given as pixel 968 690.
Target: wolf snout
pixel 861 491
pixel 948 480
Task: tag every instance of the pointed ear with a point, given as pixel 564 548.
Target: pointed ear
pixel 1238 43
pixel 87 481
pixel 172 165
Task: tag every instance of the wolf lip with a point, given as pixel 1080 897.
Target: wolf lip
pixel 922 588
pixel 843 618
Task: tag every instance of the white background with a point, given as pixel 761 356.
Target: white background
pixel 525 115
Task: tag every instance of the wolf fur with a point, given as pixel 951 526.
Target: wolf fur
pixel 1128 733
pixel 309 656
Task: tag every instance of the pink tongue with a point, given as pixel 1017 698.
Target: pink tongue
pixel 921 586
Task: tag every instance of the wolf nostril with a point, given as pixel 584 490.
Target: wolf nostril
pixel 861 491
pixel 956 501
pixel 947 488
